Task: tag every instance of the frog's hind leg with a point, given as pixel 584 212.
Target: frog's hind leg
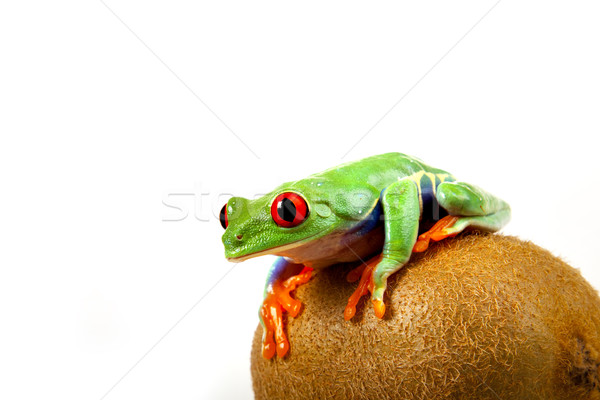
pixel 468 206
pixel 437 232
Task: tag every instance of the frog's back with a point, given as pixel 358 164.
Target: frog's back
pixel 383 169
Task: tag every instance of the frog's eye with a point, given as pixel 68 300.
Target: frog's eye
pixel 289 209
pixel 223 217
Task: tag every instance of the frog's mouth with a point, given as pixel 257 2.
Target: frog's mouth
pixel 322 248
pixel 279 250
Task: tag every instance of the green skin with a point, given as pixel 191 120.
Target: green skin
pixel 356 210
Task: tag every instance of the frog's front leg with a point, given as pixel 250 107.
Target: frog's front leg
pixel 401 211
pixel 284 276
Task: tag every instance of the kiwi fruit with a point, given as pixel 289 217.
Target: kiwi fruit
pixel 479 316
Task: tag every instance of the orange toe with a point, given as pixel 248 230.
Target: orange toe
pixel 443 234
pixel 268 349
pixel 356 273
pixel 269 314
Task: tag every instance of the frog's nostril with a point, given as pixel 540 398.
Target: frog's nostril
pixel 239 237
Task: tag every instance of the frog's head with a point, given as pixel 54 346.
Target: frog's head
pixel 292 215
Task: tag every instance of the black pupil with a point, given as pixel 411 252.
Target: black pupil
pixel 222 217
pixel 286 210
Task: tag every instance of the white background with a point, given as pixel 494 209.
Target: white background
pixel 104 114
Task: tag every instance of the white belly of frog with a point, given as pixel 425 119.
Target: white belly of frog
pixel 336 248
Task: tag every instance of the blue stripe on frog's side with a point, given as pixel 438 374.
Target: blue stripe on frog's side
pixel 371 221
pixel 427 183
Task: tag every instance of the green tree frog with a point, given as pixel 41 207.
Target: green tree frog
pixel 380 209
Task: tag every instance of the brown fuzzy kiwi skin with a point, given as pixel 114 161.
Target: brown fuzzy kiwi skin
pixel 479 316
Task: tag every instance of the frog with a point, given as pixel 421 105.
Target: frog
pixel 375 212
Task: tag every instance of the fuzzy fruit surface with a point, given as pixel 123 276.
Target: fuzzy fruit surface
pixel 478 317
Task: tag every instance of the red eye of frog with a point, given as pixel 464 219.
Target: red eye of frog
pixel 289 209
pixel 223 217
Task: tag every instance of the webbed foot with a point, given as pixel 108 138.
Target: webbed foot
pixel 441 230
pixel 276 301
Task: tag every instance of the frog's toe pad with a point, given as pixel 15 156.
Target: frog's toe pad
pixel 421 245
pixel 379 307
